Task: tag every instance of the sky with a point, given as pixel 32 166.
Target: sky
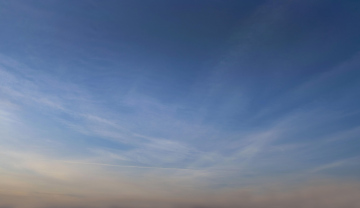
pixel 179 103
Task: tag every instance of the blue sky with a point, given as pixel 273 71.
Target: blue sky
pixel 177 96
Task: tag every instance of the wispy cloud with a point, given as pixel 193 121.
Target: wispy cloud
pixel 156 136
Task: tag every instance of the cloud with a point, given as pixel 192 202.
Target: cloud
pixel 31 88
pixel 336 164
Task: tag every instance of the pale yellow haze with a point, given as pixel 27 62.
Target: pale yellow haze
pixel 31 181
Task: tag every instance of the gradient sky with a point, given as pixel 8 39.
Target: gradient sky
pixel 136 99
